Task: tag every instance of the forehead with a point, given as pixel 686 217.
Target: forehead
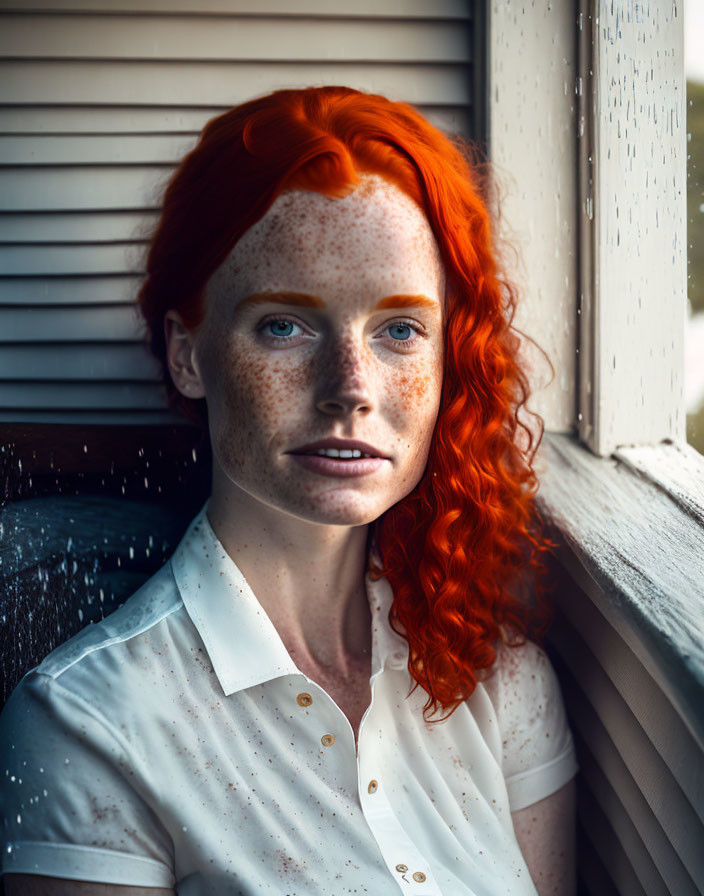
pixel 376 237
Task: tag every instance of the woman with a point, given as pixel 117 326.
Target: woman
pixel 322 283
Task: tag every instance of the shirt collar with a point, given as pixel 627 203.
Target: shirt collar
pixel 242 643
pixel 389 649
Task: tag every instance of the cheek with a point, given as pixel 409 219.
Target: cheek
pixel 416 395
pixel 415 390
pixel 253 395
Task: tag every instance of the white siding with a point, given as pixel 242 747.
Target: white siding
pixel 99 99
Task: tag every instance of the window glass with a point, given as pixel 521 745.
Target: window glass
pixel 694 338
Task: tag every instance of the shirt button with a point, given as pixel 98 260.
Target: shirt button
pixel 373 786
pixel 418 877
pixel 304 699
pixel 402 869
pixel 327 740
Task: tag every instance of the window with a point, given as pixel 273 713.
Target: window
pixel 694 342
pixel 587 123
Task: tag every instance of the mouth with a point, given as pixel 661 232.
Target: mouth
pixel 344 450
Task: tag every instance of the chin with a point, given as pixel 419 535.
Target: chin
pixel 342 512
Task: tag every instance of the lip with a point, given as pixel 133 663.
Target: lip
pixel 332 442
pixel 331 466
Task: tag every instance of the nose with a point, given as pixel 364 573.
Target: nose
pixel 344 381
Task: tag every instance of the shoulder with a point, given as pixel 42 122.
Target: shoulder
pixel 105 659
pixel 537 748
pixel 94 697
pixel 527 699
pixel 148 607
pixel 77 741
pixel 518 671
pixel 521 671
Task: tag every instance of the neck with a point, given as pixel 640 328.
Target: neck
pixel 309 578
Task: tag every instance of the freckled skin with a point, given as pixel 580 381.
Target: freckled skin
pixel 342 374
pixel 299 537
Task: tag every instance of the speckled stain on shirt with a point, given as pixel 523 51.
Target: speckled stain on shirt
pixel 211 775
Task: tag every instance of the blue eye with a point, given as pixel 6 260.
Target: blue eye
pixel 401 326
pixel 281 327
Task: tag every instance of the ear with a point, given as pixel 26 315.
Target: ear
pixel 180 356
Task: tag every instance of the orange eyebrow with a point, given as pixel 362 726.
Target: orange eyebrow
pixel 307 301
pixel 402 301
pixel 284 298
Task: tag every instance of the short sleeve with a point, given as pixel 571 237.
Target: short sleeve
pixel 71 793
pixel 538 755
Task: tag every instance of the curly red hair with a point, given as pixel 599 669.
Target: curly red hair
pixel 462 550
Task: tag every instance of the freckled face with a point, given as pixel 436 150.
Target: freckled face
pixel 279 374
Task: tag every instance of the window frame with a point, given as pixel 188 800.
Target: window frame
pixel 586 118
pixel 621 492
pixel 632 154
pixel 623 393
pixel 581 57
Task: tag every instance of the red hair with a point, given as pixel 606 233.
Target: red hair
pixel 462 546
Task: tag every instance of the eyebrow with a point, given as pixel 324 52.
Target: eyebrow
pixel 404 301
pixel 284 298
pixel 308 301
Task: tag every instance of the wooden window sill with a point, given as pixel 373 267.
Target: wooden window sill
pixel 631 535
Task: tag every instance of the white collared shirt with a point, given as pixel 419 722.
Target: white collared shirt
pixel 176 744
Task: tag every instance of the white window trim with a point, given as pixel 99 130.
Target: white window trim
pixel 633 214
pixel 587 135
pixel 531 73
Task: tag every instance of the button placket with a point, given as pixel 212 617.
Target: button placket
pixel 417 877
pixel 305 699
pixel 393 841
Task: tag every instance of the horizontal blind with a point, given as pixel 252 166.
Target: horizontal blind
pixel 99 99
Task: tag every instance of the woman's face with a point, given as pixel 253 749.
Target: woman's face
pixel 325 321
